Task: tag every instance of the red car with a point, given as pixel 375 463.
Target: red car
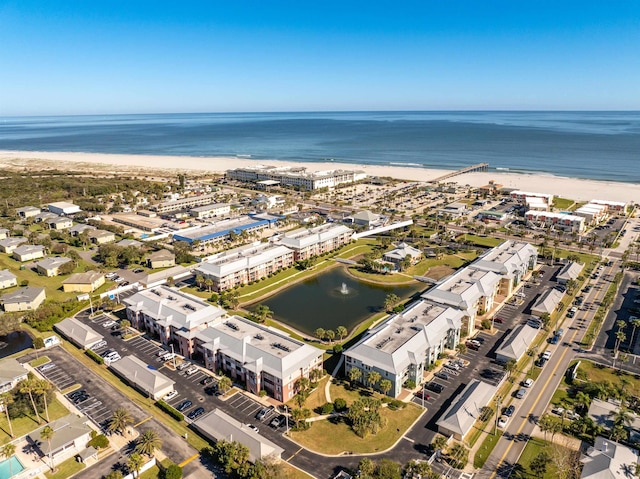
pixel 421 393
pixel 497 320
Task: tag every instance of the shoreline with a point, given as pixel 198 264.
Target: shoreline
pixel 104 163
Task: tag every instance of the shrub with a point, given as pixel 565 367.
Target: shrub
pixel 170 410
pixel 337 349
pixel 262 393
pixel 339 404
pixel 410 384
pixel 173 472
pixel 486 324
pixel 94 356
pixel 395 404
pixel 99 441
pixel 327 408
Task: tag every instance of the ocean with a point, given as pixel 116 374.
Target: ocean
pixel 591 145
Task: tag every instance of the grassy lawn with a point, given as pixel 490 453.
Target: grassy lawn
pixel 485 449
pixel 34 363
pixel 294 473
pixel 52 285
pixel 316 399
pixel 487 241
pixel 338 390
pixel 66 469
pixel 25 424
pixel 152 473
pixel 323 436
pixel 596 373
pixel 584 258
pixel 388 278
pixel 562 203
pixel 534 447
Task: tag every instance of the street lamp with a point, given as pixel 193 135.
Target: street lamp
pixel 173 356
pixel 498 402
pixel 286 419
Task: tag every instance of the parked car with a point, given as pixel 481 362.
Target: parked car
pixel 99 345
pixel 509 411
pixel 184 405
pixel 527 383
pixel 46 367
pixel 170 396
pixel 263 412
pixel 108 324
pixel 191 370
pixel 502 422
pixel 253 428
pixel 183 365
pixel 546 355
pixel 471 345
pixel 498 320
pixel 521 392
pixel 196 413
pixel 442 375
pixel 435 387
pixel 421 394
pixel 206 380
pixel 278 421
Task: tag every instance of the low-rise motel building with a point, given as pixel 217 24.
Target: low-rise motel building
pixel 242 265
pixel 296 176
pixel 257 356
pixel 566 222
pixel 401 347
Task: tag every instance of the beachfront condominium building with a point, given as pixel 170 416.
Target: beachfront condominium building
pixel 184 203
pixel 242 265
pixel 261 358
pixel 592 213
pixel 400 348
pixel 547 219
pixel 522 196
pixel 175 317
pixel 297 176
pixel 469 290
pixel 613 206
pixel 510 260
pixel 307 243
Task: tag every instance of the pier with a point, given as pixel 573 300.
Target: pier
pixel 468 169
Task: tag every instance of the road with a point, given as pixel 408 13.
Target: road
pixel 509 448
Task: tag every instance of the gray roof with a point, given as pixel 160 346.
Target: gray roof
pixel 13 241
pixel 89 277
pixel 219 425
pixel 547 302
pixel 467 407
pixel 517 342
pixel 129 242
pixel 570 270
pixel 366 215
pixel 401 252
pixel 78 332
pixel 6 275
pixel 28 249
pixel 600 411
pixel 140 374
pixel 52 262
pixel 10 370
pixel 26 294
pixel 66 431
pixel 609 460
pixel 162 255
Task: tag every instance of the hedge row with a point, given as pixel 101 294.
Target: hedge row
pixel 96 357
pixel 170 410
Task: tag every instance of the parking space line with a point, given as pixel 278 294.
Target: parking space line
pixel 188 460
pixel 143 421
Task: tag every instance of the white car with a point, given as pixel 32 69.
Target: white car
pixel 108 324
pixel 547 355
pixel 527 383
pixel 191 370
pixel 502 422
pixel 170 396
pixel 252 427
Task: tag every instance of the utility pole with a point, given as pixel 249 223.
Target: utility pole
pixel 498 403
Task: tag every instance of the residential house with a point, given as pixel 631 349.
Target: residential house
pixel 7 279
pixel 11 373
pixel 570 271
pixel 364 218
pixel 102 236
pixel 161 259
pixel 8 245
pixel 4 233
pixel 27 212
pixel 70 436
pixel 257 356
pixel 404 345
pixel 28 252
pixel 401 252
pixel 242 265
pixel 59 223
pixel 609 459
pixel 129 242
pixel 26 298
pixel 44 216
pixel 83 282
pixel 51 266
pixel 79 228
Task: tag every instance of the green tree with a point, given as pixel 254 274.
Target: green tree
pixel 119 421
pixel 42 388
pixel 372 378
pixel 635 323
pixel 390 302
pixel 262 313
pixel 511 366
pixel 135 463
pixel 148 442
pixel 320 333
pixel 6 399
pixel 545 423
pixel 173 472
pixel 439 442
pixel 385 386
pixel 341 331
pixel 354 375
pixel 330 335
pixel 538 464
pixel 47 434
pixel 364 416
pixel 459 454
pixel 28 386
pixel 224 384
pixel 299 416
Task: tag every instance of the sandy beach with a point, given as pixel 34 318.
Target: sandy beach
pixel 577 189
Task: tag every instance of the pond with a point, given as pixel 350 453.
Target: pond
pixel 14 342
pixel 332 299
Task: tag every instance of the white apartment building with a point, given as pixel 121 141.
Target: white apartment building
pixel 307 243
pixel 242 265
pixel 184 203
pixel 261 358
pixel 523 195
pixel 511 260
pixel 402 346
pixel 544 219
pixel 296 176
pixel 173 316
pixel 469 290
pixel 210 211
pixel 592 213
pixel 617 206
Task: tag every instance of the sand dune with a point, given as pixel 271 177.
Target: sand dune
pixel 578 189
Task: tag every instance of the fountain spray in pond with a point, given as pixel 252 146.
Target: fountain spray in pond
pixel 344 289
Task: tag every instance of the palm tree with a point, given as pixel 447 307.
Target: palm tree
pixel 635 323
pixel 208 282
pixel 148 442
pixel 620 337
pixel 341 331
pixel 224 384
pixel 134 463
pixel 439 442
pixel 263 312
pixel 7 451
pixel 47 434
pixel 354 375
pixel 373 377
pixel 582 400
pixel 330 334
pixel 621 417
pixel 42 388
pixel 320 332
pixel 119 421
pixel 459 454
pixel 28 387
pixel 545 424
pixel 510 366
pixel 6 399
pixel 385 386
pixel 199 280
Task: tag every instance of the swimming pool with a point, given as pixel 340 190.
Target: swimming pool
pixel 7 472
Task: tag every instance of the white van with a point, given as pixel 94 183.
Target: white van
pixel 168 357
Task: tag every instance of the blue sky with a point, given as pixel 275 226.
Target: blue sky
pixel 135 56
